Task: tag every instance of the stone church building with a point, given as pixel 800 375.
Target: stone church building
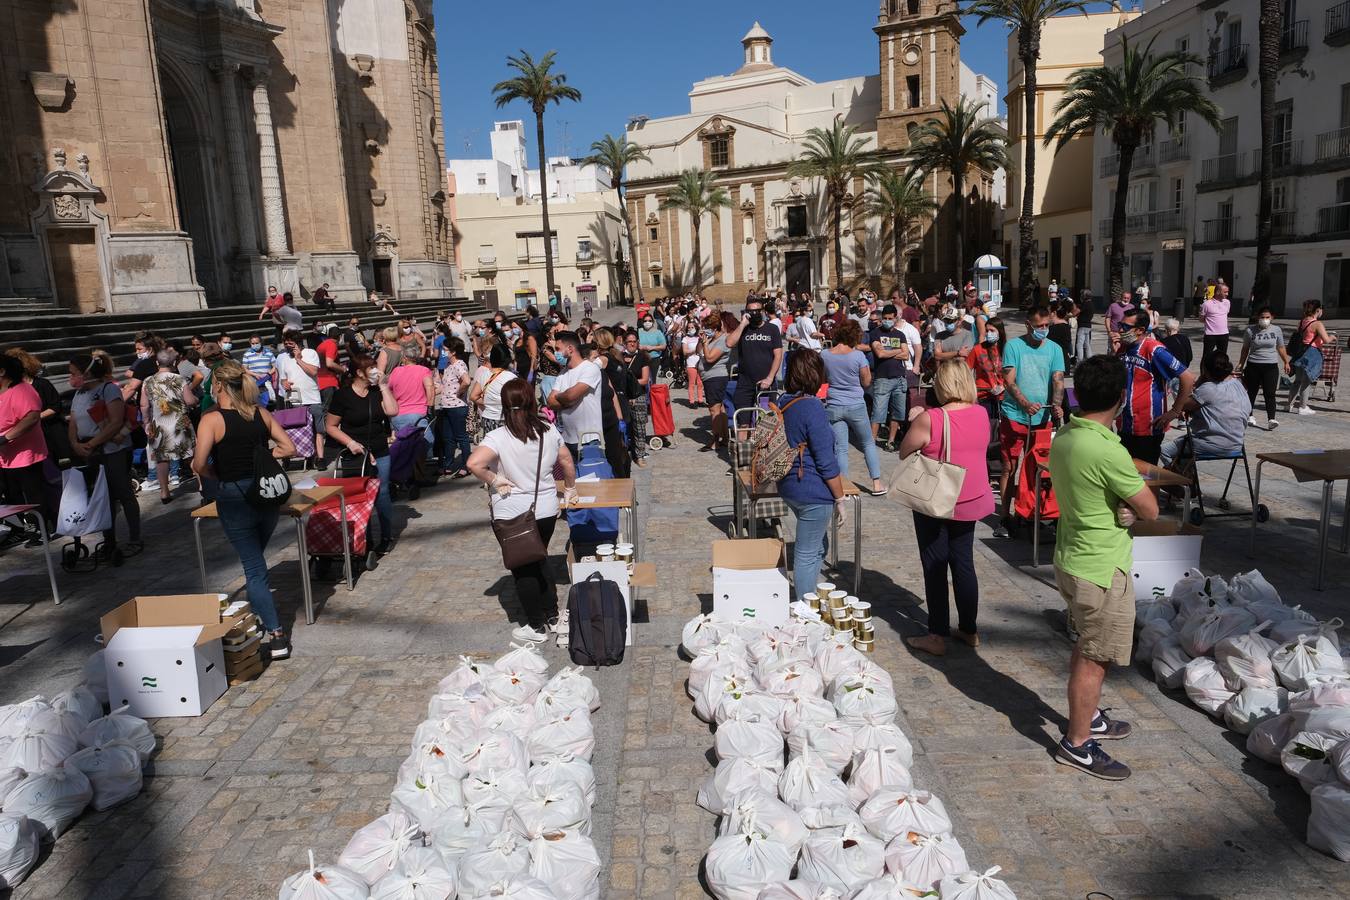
pixel 748 126
pixel 173 154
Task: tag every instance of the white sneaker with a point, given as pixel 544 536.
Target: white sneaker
pixel 1306 411
pixel 1272 424
pixel 526 633
pixel 149 487
pixel 174 483
pixel 560 626
pixel 1251 420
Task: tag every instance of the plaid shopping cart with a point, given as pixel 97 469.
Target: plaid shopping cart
pixel 323 530
pixel 299 427
pixel 1331 369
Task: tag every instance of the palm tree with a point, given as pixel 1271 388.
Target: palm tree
pixel 960 138
pixel 1128 101
pixel 616 155
pixel 836 157
pixel 1270 31
pixel 898 198
pixel 1027 18
pixel 695 193
pixel 539 87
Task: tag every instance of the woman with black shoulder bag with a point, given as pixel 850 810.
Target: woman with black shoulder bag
pixel 516 462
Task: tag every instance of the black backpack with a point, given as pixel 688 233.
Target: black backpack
pixel 597 622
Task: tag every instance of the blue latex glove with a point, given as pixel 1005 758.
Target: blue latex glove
pixel 623 429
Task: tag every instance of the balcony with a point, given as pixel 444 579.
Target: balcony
pixel 1334 146
pixel 1142 160
pixel 1334 219
pixel 1218 231
pixel 1171 219
pixel 1175 150
pixel 1282 225
pixel 1109 166
pixel 1227 65
pixel 1293 40
pixel 1222 168
pixel 1336 32
pixel 585 258
pixel 1285 157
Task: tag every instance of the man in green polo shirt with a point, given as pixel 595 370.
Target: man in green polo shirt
pixel 1100 495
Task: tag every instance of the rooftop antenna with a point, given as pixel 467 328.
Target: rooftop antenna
pixel 565 140
pixel 467 135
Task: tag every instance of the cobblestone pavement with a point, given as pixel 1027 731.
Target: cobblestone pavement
pixel 307 753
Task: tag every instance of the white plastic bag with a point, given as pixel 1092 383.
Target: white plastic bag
pixel 1253 705
pixel 1244 660
pixel 807 781
pixel 421 874
pixel 830 742
pixel 748 704
pixel 495 750
pixel 874 769
pixel 734 680
pixel 891 811
pixel 36 752
pixel 1307 757
pixel 732 778
pixel 1333 722
pixel 832 818
pixel 1329 822
pixel 1205 685
pixel 547 808
pixel 565 768
pixel 375 849
pixel 791 678
pixel 80 702
pixel 468 674
pixel 10 776
pixel 568 864
pixel 503 856
pixel 893 886
pixel 756 739
pixel 739 866
pixel 113 770
pixel 1300 621
pixel 426 796
pixel 20 846
pixel 798 889
pixel 1298 661
pixel 1246 588
pixel 842 861
pixel 875 737
pixel 1268 738
pixel 518 719
pixel 522 657
pixel 1149 636
pixel 457 833
pixel 1202 632
pixel 701 631
pixel 95 678
pixel 724 659
pixel 975 886
pixel 83 511
pixel 568 734
pixel 835 656
pixel 121 725
pixel 803 710
pixel 570 688
pixel 491 798
pixel 925 859
pixel 515 887
pixel 863 697
pixel 51 799
pixel 324 883
pixel 56 721
pixel 1320 696
pixel 1340 761
pixel 766 814
pixel 1152 610
pixel 512 685
pixel 1169 662
pixel 14 717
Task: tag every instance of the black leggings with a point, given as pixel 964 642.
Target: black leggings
pixel 535 590
pixel 1263 376
pixel 120 492
pixel 945 544
pixel 1213 343
pixel 28 485
pixel 616 453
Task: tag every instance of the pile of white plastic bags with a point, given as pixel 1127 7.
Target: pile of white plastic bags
pixel 1270 671
pixel 494 799
pixel 58 757
pixel 813 785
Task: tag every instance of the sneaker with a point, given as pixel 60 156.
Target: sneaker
pixel 149 487
pixel 1251 420
pixel 560 625
pixel 1004 528
pixel 1105 728
pixel 1272 424
pixel 280 646
pixel 174 483
pixel 529 634
pixel 1092 759
pixel 1306 411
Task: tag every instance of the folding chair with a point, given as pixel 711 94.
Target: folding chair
pixel 1198 513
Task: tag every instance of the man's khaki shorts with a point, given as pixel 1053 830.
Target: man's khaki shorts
pixel 1104 617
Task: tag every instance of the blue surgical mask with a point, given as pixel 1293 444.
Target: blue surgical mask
pixel 1041 334
pixel 562 359
pixel 888 324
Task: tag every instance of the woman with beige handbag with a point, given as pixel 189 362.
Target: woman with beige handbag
pixel 944 479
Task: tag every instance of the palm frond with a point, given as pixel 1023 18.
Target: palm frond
pixel 536 84
pixel 958 139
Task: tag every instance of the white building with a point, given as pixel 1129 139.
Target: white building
pixel 1193 192
pixel 748 126
pixel 499 226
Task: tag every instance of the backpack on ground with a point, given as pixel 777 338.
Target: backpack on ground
pixel 597 622
pixel 771 456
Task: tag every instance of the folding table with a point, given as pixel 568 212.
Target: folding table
pixel 1326 466
pixel 19 509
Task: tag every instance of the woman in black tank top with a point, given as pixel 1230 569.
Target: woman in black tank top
pixel 227 439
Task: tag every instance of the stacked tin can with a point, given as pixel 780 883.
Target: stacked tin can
pixel 864 637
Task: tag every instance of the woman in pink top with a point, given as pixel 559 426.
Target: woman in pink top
pixel 949 544
pixel 22 446
pixel 414 388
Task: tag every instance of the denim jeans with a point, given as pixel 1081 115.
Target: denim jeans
pixel 811 544
pixel 248 528
pixel 889 395
pixel 403 420
pixel 384 502
pixel 452 425
pixel 152 476
pixel 1082 343
pixel 848 420
pixel 947 546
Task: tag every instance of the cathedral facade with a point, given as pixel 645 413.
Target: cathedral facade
pixel 173 154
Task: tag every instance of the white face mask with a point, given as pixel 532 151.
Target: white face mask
pixel 1265 323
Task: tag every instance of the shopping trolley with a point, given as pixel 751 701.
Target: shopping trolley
pixel 749 512
pixel 1331 369
pixel 323 529
pixel 299 427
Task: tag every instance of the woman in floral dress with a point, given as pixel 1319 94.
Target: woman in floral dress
pixel 164 409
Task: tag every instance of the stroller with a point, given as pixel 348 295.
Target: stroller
pixel 593 526
pixel 323 529
pixel 299 427
pixel 407 458
pixel 662 415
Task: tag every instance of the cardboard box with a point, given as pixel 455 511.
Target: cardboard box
pixel 1164 551
pixel 246 673
pixel 164 656
pixel 747 582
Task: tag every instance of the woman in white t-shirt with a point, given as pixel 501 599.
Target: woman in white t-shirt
pixel 486 391
pixel 516 462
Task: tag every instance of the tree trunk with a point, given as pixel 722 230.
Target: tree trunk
pixel 698 253
pixel 1268 30
pixel 959 220
pixel 1027 51
pixel 543 198
pixel 1116 265
pixel 632 248
pixel 838 242
pixel 897 227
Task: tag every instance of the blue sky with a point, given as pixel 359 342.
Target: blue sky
pixel 631 57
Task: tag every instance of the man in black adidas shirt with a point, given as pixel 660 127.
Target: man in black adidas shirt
pixel 759 348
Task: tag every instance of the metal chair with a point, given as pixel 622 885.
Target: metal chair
pixel 1198 513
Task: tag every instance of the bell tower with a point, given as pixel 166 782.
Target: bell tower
pixel 920 45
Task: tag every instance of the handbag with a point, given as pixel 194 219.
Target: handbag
pixel 271 485
pixel 519 535
pixel 927 485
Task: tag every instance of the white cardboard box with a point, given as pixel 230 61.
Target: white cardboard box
pixel 164 656
pixel 1164 552
pixel 747 583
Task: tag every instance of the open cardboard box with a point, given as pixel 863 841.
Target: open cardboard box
pixel 1165 550
pixel 747 582
pixel 644 575
pixel 164 656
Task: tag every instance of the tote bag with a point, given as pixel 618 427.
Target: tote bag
pixel 927 485
pixel 271 485
pixel 83 511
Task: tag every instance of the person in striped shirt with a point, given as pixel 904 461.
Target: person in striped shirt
pixel 1143 418
pixel 261 363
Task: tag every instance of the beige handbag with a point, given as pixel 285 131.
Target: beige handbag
pixel 927 485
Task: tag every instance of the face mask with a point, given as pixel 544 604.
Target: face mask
pixel 251 346
pixel 756 318
pixel 832 308
pixel 553 319
pixel 372 374
pixel 991 337
pixel 143 355
pixel 649 325
pixel 407 330
pixel 1265 323
pixel 561 358
pixel 1129 337
pixel 480 331
pixel 1040 334
pixel 226 345
pixel 888 324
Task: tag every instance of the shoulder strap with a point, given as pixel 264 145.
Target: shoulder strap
pixel 538 467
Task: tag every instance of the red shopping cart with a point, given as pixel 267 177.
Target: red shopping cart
pixel 662 417
pixel 323 530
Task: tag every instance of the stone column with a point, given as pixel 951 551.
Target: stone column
pixel 274 209
pixel 246 227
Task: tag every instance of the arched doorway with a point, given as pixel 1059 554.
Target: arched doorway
pixel 194 181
